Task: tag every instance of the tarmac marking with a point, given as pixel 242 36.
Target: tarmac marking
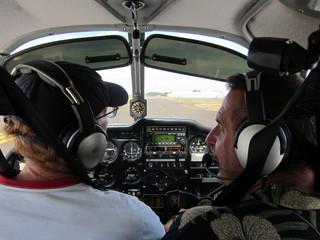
pixel 4 139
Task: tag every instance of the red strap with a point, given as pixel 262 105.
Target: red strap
pixel 48 184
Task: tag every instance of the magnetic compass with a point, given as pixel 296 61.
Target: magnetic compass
pixel 138 107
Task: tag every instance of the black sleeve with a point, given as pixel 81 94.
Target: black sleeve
pixel 195 230
pixel 173 231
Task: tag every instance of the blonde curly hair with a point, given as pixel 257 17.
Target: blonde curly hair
pixel 32 150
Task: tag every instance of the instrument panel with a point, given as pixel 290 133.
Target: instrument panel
pixel 153 157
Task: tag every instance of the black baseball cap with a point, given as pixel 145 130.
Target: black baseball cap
pixel 55 108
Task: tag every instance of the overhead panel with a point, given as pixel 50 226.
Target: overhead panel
pixel 147 10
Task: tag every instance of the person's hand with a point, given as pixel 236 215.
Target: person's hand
pixel 168 224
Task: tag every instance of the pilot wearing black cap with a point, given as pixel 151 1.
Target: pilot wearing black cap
pixel 47 199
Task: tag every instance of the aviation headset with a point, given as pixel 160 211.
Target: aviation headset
pixel 255 122
pixel 86 140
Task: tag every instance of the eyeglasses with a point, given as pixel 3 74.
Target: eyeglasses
pixel 110 114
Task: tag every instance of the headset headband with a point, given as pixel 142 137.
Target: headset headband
pixel 50 72
pixel 55 76
pixel 254 97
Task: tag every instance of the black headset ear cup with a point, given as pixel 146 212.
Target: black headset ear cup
pixel 89 149
pixel 278 152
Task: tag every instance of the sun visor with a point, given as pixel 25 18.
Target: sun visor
pixel 102 52
pixel 192 57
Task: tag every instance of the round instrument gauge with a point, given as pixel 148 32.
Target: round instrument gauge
pixel 106 177
pixel 198 145
pixel 132 175
pixel 138 107
pixel 131 151
pixel 111 153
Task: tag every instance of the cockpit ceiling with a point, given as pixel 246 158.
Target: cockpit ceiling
pixel 240 18
pixel 43 17
pixel 290 23
pixel 20 17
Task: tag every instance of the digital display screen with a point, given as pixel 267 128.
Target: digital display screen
pixel 163 138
